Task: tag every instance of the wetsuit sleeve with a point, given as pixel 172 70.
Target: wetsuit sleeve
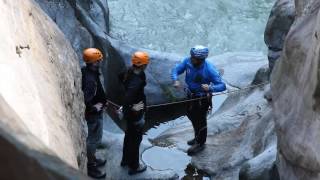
pixel 179 69
pixel 100 93
pixel 217 85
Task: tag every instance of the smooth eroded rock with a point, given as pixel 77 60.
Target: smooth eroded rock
pixel 295 96
pixel 280 20
pixel 41 82
pixel 240 130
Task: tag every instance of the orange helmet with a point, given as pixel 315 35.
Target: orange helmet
pixel 140 58
pixel 92 55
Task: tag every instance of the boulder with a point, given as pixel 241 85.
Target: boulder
pixel 281 18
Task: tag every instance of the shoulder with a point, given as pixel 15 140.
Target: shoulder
pixel 186 61
pixel 88 75
pixel 211 67
pixel 86 71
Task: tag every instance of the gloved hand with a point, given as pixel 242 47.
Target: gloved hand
pixel 176 84
pixel 98 106
pixel 138 107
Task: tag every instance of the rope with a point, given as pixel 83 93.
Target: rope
pixel 196 99
pixel 204 97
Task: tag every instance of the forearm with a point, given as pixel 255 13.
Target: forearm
pixel 179 69
pixel 174 75
pixel 218 87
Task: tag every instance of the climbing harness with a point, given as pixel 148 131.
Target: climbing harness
pixel 119 108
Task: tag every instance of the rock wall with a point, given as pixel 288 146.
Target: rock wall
pixel 281 18
pixel 295 89
pixel 24 156
pixel 64 13
pixel 41 83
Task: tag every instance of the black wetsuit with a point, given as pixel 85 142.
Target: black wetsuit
pixel 134 93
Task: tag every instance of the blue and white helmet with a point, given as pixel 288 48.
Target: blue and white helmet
pixel 199 52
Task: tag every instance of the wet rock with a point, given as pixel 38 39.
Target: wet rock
pixel 158 72
pixel 295 91
pixel 279 23
pixel 239 131
pixel 235 66
pixel 176 26
pixel 262 167
pixel 262 76
pixel 41 83
pixel 268 95
pixel 159 88
pixel 113 154
pixel 94 19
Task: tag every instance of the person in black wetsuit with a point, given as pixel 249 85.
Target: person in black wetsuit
pixel 95 99
pixel 134 81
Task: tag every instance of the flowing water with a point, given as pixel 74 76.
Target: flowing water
pixel 177 25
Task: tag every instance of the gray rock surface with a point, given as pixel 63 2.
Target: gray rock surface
pixel 41 84
pixel 235 67
pixel 63 14
pixel 176 26
pixel 94 18
pixel 295 94
pixel 262 167
pixel 24 156
pixel 113 153
pixel 262 75
pixel 281 18
pixel 159 88
pixel 239 131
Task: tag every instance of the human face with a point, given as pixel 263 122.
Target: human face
pixel 97 64
pixel 94 66
pixel 141 68
pixel 196 62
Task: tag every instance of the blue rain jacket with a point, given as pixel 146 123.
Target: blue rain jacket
pixel 205 74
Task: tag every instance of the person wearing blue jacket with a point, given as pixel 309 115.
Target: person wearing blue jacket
pixel 202 79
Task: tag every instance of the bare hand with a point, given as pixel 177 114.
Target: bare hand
pixel 205 87
pixel 98 106
pixel 176 84
pixel 138 107
pixel 106 104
